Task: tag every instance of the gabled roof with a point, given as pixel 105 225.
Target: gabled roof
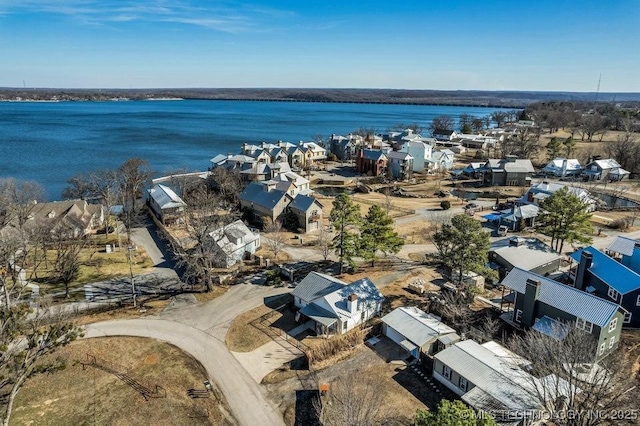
pixel 303 203
pixel 336 301
pixel 498 376
pixel 443 132
pixel 563 297
pixel 605 164
pixel 623 245
pixel 525 253
pixel 525 211
pixel 255 193
pixel 373 154
pixel 225 237
pixel 518 166
pixel 610 271
pixel 316 285
pixel 556 164
pixel 165 197
pixel 399 155
pixel 417 326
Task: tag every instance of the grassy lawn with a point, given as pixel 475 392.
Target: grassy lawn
pixel 95 265
pixel 75 396
pixel 245 337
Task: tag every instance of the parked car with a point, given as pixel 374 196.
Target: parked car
pixel 502 230
pixel 472 206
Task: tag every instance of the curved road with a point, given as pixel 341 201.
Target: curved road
pixel 200 331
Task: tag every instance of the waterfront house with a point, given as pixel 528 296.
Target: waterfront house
pixel 595 273
pixel 259 172
pixel 494 380
pixel 441 160
pixel 334 307
pixel 552 308
pixel 445 135
pixel 345 147
pixel 561 167
pixel 509 171
pixel 313 153
pixel 606 169
pixel 417 332
pixel 166 205
pixel 232 162
pixel 371 162
pixel 232 243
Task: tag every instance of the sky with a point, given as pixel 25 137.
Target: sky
pixel 559 45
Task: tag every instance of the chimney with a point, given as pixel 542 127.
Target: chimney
pixel 229 155
pixel 586 259
pixel 530 296
pixel 352 303
pixel 564 168
pixel 530 197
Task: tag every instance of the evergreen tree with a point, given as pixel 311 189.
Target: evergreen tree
pixel 454 413
pixel 462 245
pixel 378 235
pixel 569 145
pixel 345 217
pixel 554 147
pixel 565 218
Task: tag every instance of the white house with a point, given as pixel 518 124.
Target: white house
pixel 416 331
pixel 420 151
pixel 561 167
pixel 166 204
pixel 232 243
pixel 335 307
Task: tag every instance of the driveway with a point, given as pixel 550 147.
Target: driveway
pixel 267 358
pixel 200 331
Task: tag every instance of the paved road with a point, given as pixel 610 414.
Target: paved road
pixel 200 331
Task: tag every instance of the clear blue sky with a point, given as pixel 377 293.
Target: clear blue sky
pixel 561 45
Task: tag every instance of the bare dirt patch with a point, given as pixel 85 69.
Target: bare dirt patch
pixel 398 293
pixel 243 336
pixel 76 396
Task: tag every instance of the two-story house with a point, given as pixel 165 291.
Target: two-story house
pixel 400 165
pixel 602 276
pixel 444 135
pixel 561 167
pixel 550 307
pixel 606 169
pixel 371 162
pixel 509 171
pixel 420 151
pixel 232 243
pixel 167 206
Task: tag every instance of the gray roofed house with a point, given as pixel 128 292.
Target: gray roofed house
pixel 417 331
pixel 492 379
pixel 624 245
pixel 523 214
pixel 232 243
pixel 530 254
pixel 308 210
pixel 608 169
pixel 400 164
pixel 335 307
pixel 509 171
pixel 264 199
pixel 535 297
pixel 166 204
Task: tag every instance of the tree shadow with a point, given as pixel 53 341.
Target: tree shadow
pixel 306 413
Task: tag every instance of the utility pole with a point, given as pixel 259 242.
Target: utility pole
pixel 133 284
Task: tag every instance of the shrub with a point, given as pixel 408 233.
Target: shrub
pixel 622 223
pixel 445 205
pixel 335 345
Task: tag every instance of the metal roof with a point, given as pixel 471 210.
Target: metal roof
pixel 318 314
pixel 495 374
pixel 255 193
pixel 372 154
pixel 415 325
pixel 563 297
pixel 623 245
pixel 336 301
pixel 303 202
pixel 529 254
pixel 610 271
pixel 316 285
pixel 552 328
pixel 225 237
pixel 165 197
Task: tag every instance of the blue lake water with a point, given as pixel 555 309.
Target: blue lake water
pixel 51 141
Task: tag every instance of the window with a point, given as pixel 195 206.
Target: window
pixel 584 325
pixel 613 324
pixel 627 317
pixel 612 341
pixel 519 315
pixel 463 384
pixel 638 301
pixel 602 347
pixel 613 294
pixel 446 372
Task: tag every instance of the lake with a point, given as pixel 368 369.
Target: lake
pixel 49 142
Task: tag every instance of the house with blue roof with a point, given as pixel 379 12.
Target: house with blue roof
pixel 602 276
pixel 552 308
pixel 627 251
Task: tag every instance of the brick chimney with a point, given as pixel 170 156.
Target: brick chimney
pixel 352 303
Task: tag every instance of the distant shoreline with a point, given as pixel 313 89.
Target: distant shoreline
pixel 460 98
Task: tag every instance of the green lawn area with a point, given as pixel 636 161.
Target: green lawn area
pixel 96 264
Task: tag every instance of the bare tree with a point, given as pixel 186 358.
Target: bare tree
pixel 323 245
pixel 564 378
pixel 354 399
pixel 67 261
pixel 18 199
pixel 277 237
pixel 134 173
pixel 227 182
pixel 388 201
pixel 105 186
pixel 443 122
